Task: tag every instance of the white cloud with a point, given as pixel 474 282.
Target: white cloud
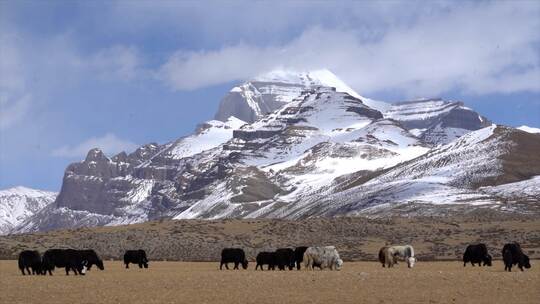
pixel 480 48
pixel 12 109
pixel 31 69
pixel 14 96
pixel 110 144
pixel 117 62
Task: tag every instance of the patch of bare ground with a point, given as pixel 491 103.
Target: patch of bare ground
pixel 358 282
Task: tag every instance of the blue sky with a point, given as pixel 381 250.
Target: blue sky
pixel 120 74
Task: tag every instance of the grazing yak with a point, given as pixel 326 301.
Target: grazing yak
pixel 92 258
pixel 69 259
pixel 299 255
pixel 266 258
pixel 477 254
pixel 30 259
pixel 392 253
pixel 233 255
pixel 512 255
pixel 326 257
pixel 383 253
pixel 136 257
pixel 285 258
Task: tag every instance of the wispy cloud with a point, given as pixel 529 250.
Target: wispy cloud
pixel 14 96
pixel 109 143
pixel 491 47
pixel 32 68
pixel 117 62
pixel 13 109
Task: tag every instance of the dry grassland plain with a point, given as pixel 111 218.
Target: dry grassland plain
pixel 202 282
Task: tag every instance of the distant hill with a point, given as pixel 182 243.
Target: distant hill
pixel 356 238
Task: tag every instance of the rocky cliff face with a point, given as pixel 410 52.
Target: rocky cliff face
pixel 289 145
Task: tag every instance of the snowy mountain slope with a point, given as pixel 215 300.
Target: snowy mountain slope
pixel 381 144
pixel 318 115
pixel 306 145
pixel 436 121
pixel 489 156
pixel 527 190
pixel 529 129
pixel 51 217
pixel 453 173
pixel 444 179
pixel 19 203
pixel 207 136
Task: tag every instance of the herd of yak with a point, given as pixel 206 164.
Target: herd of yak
pixel 325 257
pixel 78 261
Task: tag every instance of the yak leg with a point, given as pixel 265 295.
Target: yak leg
pixel 307 264
pixel 389 259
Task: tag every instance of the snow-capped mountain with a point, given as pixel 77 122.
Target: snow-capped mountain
pixel 102 190
pixel 437 121
pixel 529 129
pixel 19 203
pixel 266 93
pixel 484 167
pixel 292 145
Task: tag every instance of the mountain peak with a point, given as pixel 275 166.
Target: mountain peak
pixel 24 191
pixel 95 154
pixel 271 91
pixel 322 77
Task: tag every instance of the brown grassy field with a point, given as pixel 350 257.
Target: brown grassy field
pixel 358 282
